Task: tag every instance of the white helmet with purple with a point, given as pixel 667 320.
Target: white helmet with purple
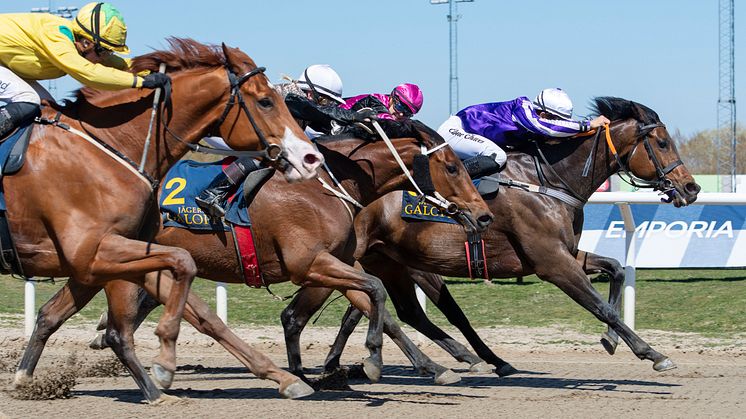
pixel 554 101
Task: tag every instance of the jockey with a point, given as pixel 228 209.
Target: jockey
pixel 42 46
pixel 403 102
pixel 476 133
pixel 313 100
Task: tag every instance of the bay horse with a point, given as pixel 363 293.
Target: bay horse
pixel 533 234
pixel 313 248
pixel 79 208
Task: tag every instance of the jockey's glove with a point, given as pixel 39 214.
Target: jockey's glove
pixel 155 80
pixel 365 115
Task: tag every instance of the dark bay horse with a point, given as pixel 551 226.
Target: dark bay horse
pixel 533 233
pixel 81 210
pixel 304 234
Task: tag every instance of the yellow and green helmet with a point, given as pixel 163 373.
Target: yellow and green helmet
pixel 103 24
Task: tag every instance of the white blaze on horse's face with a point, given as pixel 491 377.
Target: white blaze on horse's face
pixel 303 158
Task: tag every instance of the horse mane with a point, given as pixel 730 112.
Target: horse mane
pixel 616 108
pixel 182 54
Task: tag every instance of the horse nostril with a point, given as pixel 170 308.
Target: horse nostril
pixel 485 220
pixel 311 159
pixel 692 188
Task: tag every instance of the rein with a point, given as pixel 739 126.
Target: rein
pixel 436 199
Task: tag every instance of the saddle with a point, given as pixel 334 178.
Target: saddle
pixel 12 156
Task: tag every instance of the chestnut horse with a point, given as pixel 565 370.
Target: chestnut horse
pixel 78 208
pixel 533 233
pixel 315 252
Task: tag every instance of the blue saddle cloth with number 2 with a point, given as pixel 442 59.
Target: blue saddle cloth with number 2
pixel 184 182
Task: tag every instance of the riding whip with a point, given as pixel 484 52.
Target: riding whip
pixel 156 99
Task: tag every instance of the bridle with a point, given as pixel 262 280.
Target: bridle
pixel 662 182
pixel 270 152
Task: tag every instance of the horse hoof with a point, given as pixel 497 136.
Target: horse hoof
pixel 447 377
pixel 166 399
pixel 22 379
pixel 103 320
pixel 664 365
pixel 297 390
pixel 372 370
pixel 162 376
pixel 480 367
pixel 99 342
pixel 506 370
pixel 609 343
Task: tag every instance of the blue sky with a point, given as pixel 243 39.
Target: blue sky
pixel 662 53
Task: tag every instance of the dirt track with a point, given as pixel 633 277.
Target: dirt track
pixel 566 375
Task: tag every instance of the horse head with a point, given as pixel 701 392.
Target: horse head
pixel 235 101
pixel 646 152
pixel 450 179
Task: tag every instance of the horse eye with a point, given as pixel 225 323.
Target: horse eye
pixel 662 143
pixel 452 168
pixel 266 103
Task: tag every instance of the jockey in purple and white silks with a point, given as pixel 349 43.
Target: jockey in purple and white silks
pixel 481 130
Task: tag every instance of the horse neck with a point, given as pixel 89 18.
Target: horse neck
pixel 190 118
pixel 367 170
pixel 568 161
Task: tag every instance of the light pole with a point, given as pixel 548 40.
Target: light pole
pixel 67 13
pixel 453 18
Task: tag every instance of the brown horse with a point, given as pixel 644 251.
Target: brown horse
pixel 315 252
pixel 534 233
pixel 81 210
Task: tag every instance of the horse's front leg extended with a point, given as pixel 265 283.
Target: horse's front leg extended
pixel 364 291
pixel 67 301
pixel 120 257
pixel 563 270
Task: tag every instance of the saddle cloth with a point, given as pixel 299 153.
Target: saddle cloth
pixel 183 183
pixel 412 209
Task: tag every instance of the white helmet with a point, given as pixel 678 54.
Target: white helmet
pixel 322 79
pixel 555 101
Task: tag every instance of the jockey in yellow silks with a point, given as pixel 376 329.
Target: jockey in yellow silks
pixel 42 46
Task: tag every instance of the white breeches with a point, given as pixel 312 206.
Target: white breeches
pixel 16 89
pixel 469 145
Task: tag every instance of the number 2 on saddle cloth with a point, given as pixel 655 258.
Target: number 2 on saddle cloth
pixel 181 186
pixel 414 209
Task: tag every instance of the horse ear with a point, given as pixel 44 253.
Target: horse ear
pixel 229 57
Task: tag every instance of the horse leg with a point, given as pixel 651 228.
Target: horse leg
pixel 72 297
pixel 592 264
pixel 119 335
pixel 364 291
pixel 199 315
pixel 295 316
pixel 421 362
pixel 564 271
pixel 120 257
pixel 436 290
pixel 145 305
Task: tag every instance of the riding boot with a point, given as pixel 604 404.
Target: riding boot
pixel 15 114
pixel 213 199
pixel 479 166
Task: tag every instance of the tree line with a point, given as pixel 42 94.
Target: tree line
pixel 699 151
